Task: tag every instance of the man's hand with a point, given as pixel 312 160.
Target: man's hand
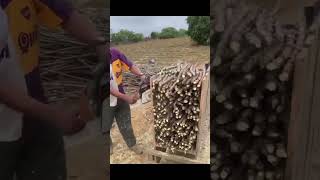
pixel 68 121
pixel 143 78
pixel 136 96
pixel 131 99
pixel 86 110
pixel 64 118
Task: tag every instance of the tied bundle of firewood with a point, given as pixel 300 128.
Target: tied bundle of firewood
pixel 176 106
pixel 253 59
pixel 66 64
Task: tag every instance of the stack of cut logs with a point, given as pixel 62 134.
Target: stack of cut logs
pixel 253 57
pixel 176 106
pixel 65 63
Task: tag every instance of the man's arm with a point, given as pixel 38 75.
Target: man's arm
pixel 135 70
pixel 84 30
pixel 21 102
pixel 61 13
pixel 127 98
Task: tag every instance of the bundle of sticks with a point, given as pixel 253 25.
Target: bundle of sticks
pixel 131 81
pixel 176 106
pixel 253 58
pixel 65 63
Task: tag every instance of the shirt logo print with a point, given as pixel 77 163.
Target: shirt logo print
pixel 118 74
pixel 26 40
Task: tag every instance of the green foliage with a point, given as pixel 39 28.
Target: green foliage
pixel 169 32
pixel 126 36
pixel 199 29
pixel 154 35
pixel 182 32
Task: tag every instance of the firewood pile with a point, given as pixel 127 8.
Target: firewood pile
pixel 253 59
pixel 176 106
pixel 65 63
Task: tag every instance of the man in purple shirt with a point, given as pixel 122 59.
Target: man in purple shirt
pixel 119 108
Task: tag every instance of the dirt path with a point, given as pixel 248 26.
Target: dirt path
pixel 143 131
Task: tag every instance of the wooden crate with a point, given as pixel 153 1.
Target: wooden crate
pixel 203 137
pixel 158 156
pixel 304 130
pixel 303 161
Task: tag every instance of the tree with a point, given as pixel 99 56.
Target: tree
pixel 169 32
pixel 154 35
pixel 182 32
pixel 199 29
pixel 126 36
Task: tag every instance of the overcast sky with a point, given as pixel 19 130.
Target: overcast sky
pixel 147 24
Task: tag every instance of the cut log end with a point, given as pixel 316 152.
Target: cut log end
pixel 271 86
pixel 235 46
pixel 242 126
pixel 284 77
pixel 221 98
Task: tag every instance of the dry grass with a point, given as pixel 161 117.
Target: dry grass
pixel 166 51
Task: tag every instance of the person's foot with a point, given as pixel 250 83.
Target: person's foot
pixel 136 149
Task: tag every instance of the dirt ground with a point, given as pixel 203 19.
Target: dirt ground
pixel 86 154
pixel 165 52
pixel 142 122
pixel 140 113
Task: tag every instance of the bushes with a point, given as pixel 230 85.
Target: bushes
pixel 169 32
pixel 126 36
pixel 154 35
pixel 199 29
pixel 182 32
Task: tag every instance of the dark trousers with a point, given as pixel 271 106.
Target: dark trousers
pixel 39 154
pixel 121 113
